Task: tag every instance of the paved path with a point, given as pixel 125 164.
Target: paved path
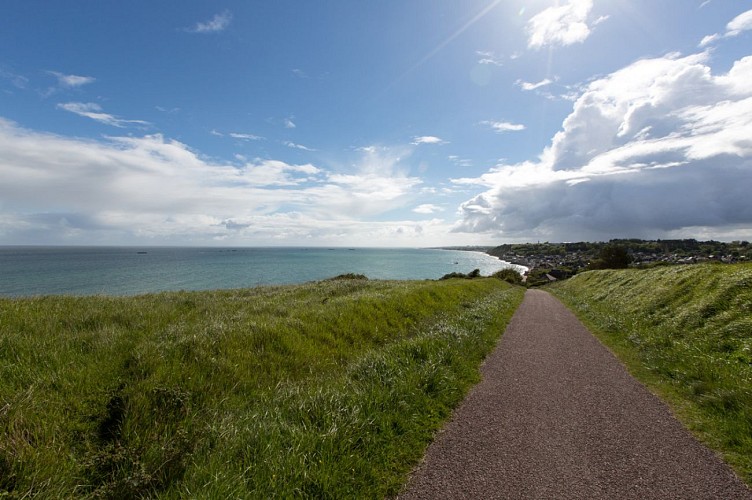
pixel 557 416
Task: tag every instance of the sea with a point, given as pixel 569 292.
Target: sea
pixel 34 271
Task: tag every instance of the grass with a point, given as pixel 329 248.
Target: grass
pixel 329 389
pixel 686 332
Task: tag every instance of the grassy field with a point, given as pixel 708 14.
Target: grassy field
pixel 685 331
pixel 329 389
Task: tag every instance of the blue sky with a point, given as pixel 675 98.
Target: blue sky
pixel 389 123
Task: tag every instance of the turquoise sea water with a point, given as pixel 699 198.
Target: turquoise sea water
pixel 26 271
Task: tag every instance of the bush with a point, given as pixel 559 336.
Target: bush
pixel 348 276
pixel 475 273
pixel 509 275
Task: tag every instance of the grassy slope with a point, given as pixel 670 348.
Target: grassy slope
pixel 324 389
pixel 686 332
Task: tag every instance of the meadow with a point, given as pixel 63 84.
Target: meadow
pixel 327 389
pixel 685 332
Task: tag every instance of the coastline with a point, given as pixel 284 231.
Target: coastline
pixel 35 271
pixel 523 266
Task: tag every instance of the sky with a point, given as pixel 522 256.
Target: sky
pixel 397 123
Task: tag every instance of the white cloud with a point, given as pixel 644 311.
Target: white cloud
pixel 18 81
pixel 659 148
pixel 71 81
pixel 151 189
pixel 278 173
pixel 166 110
pixel 534 85
pixel 707 40
pixel 564 24
pixel 741 23
pixel 379 182
pixel 460 162
pixel 289 123
pixel 488 57
pixel 281 229
pixel 66 82
pixel 245 137
pixel 502 127
pixel 216 24
pixel 427 209
pixel 427 139
pixel 601 20
pixel 293 145
pixel 94 111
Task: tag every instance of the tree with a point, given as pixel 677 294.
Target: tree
pixel 612 257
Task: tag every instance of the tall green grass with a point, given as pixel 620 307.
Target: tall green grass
pixel 686 331
pixel 329 389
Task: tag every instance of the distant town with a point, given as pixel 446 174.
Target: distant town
pixel 561 260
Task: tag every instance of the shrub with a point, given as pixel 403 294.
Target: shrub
pixel 348 276
pixel 475 273
pixel 509 275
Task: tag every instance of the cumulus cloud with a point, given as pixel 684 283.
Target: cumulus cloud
pixel 151 188
pixel 427 139
pixel 215 25
pixel 94 111
pixel 660 147
pixel 741 23
pixel 564 24
pixel 502 127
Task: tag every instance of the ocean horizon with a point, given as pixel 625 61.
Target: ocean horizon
pixel 133 270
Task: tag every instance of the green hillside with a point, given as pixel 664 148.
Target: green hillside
pixel 685 331
pixel 324 389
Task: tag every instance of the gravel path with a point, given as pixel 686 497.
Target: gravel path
pixel 557 416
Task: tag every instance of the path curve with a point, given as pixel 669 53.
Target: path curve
pixel 556 415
